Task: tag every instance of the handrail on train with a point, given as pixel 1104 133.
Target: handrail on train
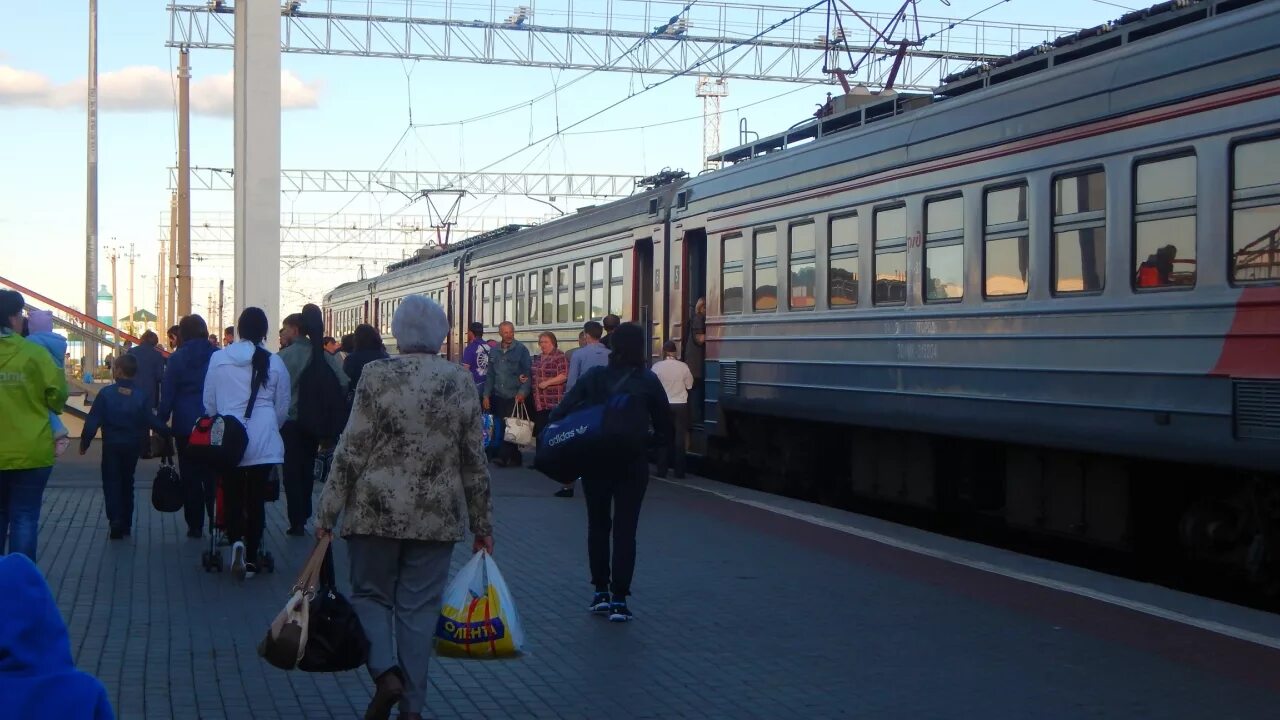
pixel 90 322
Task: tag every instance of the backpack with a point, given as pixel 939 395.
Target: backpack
pixel 322 406
pixel 593 435
pixel 220 441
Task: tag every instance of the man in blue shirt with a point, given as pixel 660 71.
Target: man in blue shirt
pixel 507 383
pixel 592 354
pixel 476 355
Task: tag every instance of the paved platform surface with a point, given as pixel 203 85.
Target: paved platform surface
pixel 742 613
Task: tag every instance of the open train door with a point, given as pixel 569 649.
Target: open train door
pixel 645 312
pixel 693 289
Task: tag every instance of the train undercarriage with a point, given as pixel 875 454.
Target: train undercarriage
pixel 1187 525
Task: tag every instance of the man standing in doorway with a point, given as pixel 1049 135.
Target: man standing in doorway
pixel 507 383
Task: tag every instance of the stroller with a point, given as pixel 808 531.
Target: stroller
pixel 212 559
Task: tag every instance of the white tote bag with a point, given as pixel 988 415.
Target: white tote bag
pixel 518 428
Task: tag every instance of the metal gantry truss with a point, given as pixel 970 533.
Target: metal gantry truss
pixel 631 36
pixel 417 181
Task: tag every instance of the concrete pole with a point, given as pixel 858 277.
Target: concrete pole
pixel 183 259
pixel 115 296
pixel 133 308
pixel 257 160
pixel 162 320
pixel 91 349
pixel 171 267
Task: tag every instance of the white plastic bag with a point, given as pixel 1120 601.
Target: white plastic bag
pixel 478 617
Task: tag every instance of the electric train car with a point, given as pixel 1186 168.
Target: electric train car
pixel 1048 293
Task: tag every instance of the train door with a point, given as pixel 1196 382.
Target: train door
pixel 694 289
pixel 451 315
pixel 644 311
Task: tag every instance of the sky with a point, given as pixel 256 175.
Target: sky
pixel 346 113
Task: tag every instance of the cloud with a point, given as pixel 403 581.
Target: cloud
pixel 141 89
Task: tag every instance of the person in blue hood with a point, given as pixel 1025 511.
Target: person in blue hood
pixel 38 678
pixel 182 398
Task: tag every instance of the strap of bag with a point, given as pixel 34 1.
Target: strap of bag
pixel 307 579
pixel 520 412
pixel 253 386
pixel 618 386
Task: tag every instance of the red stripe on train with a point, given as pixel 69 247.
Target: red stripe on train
pixel 1251 348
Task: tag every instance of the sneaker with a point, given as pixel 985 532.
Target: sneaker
pixel 250 570
pixel 565 492
pixel 195 533
pixel 619 612
pixel 237 560
pixel 600 602
pixel 116 534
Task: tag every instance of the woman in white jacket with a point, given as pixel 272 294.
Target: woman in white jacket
pixel 233 373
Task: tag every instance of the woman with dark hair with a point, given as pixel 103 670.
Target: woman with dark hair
pixel 175 337
pixel 248 382
pixel 614 492
pixel 34 388
pixel 182 398
pixel 368 348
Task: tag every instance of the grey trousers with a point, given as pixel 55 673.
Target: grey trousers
pixel 396 588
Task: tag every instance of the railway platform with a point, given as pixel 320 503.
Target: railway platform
pixel 748 606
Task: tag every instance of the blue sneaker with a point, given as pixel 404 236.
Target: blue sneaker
pixel 600 603
pixel 619 612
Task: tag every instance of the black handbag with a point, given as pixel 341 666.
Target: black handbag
pixel 335 638
pixel 167 493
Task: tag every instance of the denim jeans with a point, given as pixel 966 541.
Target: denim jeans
pixel 119 463
pixel 20 494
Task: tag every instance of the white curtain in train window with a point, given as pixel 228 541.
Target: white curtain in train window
pixel 1164 228
pixel 1255 212
pixel 1080 232
pixel 1005 247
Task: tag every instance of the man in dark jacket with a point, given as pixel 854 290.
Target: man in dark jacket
pixel 150 366
pixel 38 678
pixel 610 323
pixel 182 399
pixel 508 383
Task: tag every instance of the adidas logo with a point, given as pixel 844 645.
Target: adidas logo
pixel 566 435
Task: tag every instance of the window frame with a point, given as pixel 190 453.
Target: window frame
pixel 1074 222
pixel 519 301
pixel 941 239
pixel 1260 196
pixel 564 294
pixel 579 285
pixel 737 266
pixel 809 257
pixel 615 282
pixel 847 251
pixel 1163 210
pixel 894 247
pixel 758 263
pixel 1006 231
pixel 597 284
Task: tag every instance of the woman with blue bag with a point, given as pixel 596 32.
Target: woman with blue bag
pixel 616 404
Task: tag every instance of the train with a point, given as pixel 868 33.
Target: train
pixel 1046 294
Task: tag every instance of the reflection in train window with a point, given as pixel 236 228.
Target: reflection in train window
pixel 764 296
pixel 597 289
pixel 1005 248
pixel 944 250
pixel 615 285
pixel 579 292
pixel 548 298
pixel 496 305
pixel 1255 212
pixel 1164 214
pixel 562 290
pixel 533 298
pixel 842 271
pixel 731 275
pixel 509 298
pixel 802 279
pixel 890 257
pixel 1080 232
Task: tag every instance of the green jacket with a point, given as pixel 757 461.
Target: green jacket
pixel 296 358
pixel 30 386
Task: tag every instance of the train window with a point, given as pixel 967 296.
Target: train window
pixel 842 271
pixel 579 292
pixel 890 256
pixel 518 317
pixel 597 289
pixel 731 275
pixel 509 300
pixel 1255 212
pixel 533 298
pixel 1005 242
pixel 495 307
pixel 1164 216
pixel 562 293
pixel 944 249
pixel 615 285
pixel 802 268
pixel 764 297
pixel 1079 232
pixel 548 297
